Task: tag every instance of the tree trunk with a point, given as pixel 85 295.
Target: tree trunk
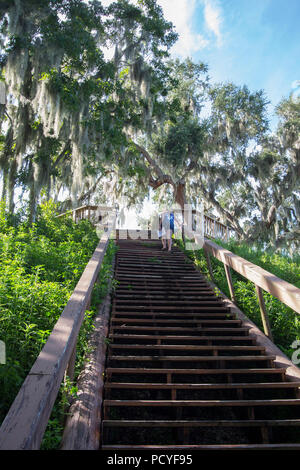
pixel 6 159
pixel 32 204
pixel 4 183
pixel 180 198
pixel 179 194
pixel 32 196
pixel 11 185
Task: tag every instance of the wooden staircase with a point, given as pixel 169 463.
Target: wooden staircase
pixel 182 371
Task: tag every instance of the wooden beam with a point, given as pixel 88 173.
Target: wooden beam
pixel 208 262
pixel 282 290
pixel 229 282
pixel 264 313
pixel 83 424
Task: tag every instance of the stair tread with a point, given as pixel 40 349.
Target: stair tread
pixel 186 347
pixel 181 338
pixel 194 358
pixel 227 315
pixel 144 370
pixel 270 402
pixel 204 386
pixel 199 423
pixel 157 320
pixel 176 328
pixel 204 447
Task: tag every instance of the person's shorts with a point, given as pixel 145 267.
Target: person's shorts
pixel 167 232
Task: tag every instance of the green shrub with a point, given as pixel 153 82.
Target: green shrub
pixel 40 266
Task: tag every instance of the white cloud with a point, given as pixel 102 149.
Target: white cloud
pixel 106 3
pixel 295 84
pixel 213 18
pixel 181 13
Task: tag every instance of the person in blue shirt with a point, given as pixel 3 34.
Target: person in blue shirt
pixel 167 223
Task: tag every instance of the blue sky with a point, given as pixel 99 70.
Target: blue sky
pixel 251 42
pixel 248 42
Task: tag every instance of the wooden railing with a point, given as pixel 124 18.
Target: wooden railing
pixel 99 215
pixel 262 279
pixel 26 421
pixel 96 214
pixel 212 227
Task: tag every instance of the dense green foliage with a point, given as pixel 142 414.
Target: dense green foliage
pixel 40 266
pixel 285 323
pixel 77 101
pixel 101 125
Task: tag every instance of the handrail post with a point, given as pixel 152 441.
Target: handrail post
pixel 208 262
pixel 229 282
pixel 282 290
pixel 70 370
pixel 264 313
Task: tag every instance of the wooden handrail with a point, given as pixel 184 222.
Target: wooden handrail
pixel 213 219
pixel 71 211
pixel 25 424
pixel 213 227
pixel 262 279
pixel 282 290
pixel 82 209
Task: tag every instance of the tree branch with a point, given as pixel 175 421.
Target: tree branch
pixel 160 174
pixel 61 156
pixel 210 197
pixel 162 178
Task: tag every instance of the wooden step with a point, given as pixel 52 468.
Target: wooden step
pixel 157 288
pixel 184 321
pixel 201 424
pixel 202 386
pixel 180 338
pixel 156 267
pixel 169 303
pixel 186 347
pixel 212 447
pixel 194 358
pixel 142 313
pixel 156 279
pixel 156 276
pixel 147 296
pixel 174 329
pixel 202 403
pixel 197 372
